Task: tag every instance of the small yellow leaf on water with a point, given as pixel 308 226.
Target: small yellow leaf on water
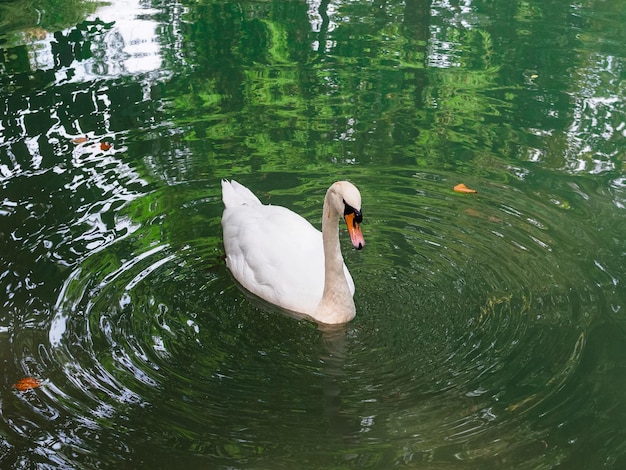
pixel 461 188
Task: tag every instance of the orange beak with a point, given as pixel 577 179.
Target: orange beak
pixel 354 229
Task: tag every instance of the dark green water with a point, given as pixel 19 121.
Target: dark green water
pixel 491 327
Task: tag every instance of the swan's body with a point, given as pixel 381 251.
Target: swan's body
pixel 279 256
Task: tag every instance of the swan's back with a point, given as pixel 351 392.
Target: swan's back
pixel 273 252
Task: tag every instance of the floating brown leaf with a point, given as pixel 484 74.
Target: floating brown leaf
pixel 79 140
pixel 27 383
pixel 105 146
pixel 461 188
pixel 472 212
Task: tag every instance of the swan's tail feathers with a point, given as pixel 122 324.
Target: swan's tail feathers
pixel 235 194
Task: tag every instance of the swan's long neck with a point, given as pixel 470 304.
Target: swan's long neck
pixel 337 305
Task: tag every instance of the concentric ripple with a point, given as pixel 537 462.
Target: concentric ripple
pixel 461 299
pixel 478 308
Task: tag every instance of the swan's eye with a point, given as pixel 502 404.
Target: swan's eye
pixel 358 216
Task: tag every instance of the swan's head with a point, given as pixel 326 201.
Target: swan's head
pixel 345 198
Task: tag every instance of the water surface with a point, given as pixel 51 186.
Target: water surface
pixel 490 327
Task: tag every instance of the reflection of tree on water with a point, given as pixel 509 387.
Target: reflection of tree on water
pixel 71 47
pixel 38 122
pixel 66 48
pixel 76 44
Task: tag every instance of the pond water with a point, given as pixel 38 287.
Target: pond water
pixel 491 326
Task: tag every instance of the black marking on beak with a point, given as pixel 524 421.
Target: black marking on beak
pixel 358 215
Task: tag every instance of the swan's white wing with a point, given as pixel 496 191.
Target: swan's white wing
pixel 275 254
pixel 349 279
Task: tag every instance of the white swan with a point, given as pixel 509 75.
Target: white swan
pixel 279 256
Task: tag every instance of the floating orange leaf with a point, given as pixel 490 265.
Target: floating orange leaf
pixel 79 140
pixel 461 188
pixel 104 146
pixel 27 383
